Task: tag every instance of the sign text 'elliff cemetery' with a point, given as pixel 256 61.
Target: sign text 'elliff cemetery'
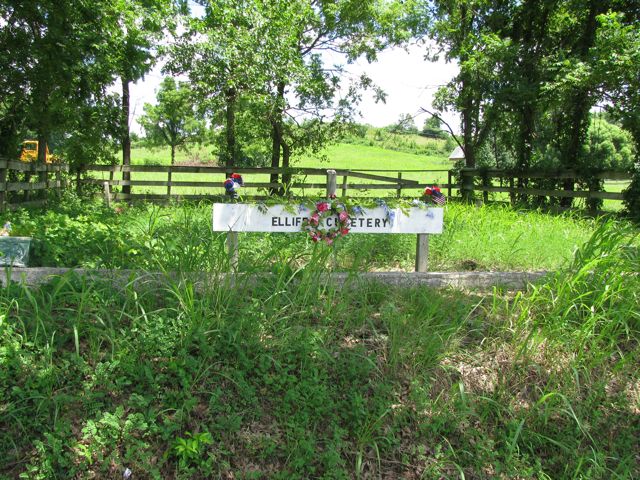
pixel 278 218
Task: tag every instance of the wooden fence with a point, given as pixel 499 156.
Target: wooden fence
pixel 26 184
pixel 484 180
pixel 23 184
pixel 257 181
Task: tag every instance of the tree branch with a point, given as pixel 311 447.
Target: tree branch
pixel 435 115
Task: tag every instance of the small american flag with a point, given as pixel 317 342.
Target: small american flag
pixel 438 198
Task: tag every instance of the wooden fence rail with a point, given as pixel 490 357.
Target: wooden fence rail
pixel 394 181
pixel 17 176
pixel 482 180
pixel 20 182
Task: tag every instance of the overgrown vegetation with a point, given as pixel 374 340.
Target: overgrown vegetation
pixel 407 142
pixel 82 233
pixel 291 377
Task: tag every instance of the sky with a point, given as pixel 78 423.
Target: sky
pixel 407 78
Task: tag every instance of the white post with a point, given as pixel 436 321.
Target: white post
pixel 422 252
pixel 232 248
pixel 107 194
pixel 332 183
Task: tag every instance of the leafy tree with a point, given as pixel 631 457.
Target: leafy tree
pixel 463 30
pixel 174 120
pixel 607 147
pixel 618 63
pixel 51 67
pixel 405 124
pixel 223 54
pixel 269 55
pixel 432 127
pixel 134 26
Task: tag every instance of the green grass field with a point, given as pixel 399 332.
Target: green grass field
pixel 355 156
pixel 343 156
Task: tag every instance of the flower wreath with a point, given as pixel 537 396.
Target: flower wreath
pixel 316 223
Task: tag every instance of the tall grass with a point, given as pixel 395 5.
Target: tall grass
pixel 179 237
pixel 289 375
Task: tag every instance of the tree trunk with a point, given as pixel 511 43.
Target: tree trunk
pixel 286 156
pixel 173 154
pixel 126 139
pixel 42 147
pixel 276 136
pixel 276 142
pixel 230 117
pixel 467 124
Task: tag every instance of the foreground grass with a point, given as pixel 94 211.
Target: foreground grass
pixel 291 377
pixel 79 232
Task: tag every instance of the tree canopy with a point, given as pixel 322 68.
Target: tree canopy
pixel 269 77
pixel 174 121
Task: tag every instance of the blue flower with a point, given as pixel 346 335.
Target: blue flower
pixel 391 215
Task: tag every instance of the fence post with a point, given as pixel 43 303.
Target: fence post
pixel 344 186
pixel 58 181
pixel 399 189
pixel 422 252
pixel 485 184
pixel 107 194
pixel 27 180
pixel 592 203
pixel 78 180
pixel 332 183
pixel 3 185
pixel 449 180
pixel 43 177
pixel 4 174
pixel 169 182
pixel 512 193
pixel 466 186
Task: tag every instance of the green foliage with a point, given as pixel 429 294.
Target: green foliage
pixel 293 377
pixel 53 72
pixel 188 450
pixel 607 147
pixel 632 194
pixel 405 124
pixel 432 128
pixel 87 234
pixel 173 121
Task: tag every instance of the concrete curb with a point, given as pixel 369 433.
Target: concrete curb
pixel 468 280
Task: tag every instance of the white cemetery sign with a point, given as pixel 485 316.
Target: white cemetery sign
pixel 237 217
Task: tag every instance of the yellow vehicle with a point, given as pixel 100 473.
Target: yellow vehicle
pixel 30 152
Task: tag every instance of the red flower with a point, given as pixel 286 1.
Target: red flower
pixel 427 191
pixel 322 206
pixel 344 231
pixel 343 216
